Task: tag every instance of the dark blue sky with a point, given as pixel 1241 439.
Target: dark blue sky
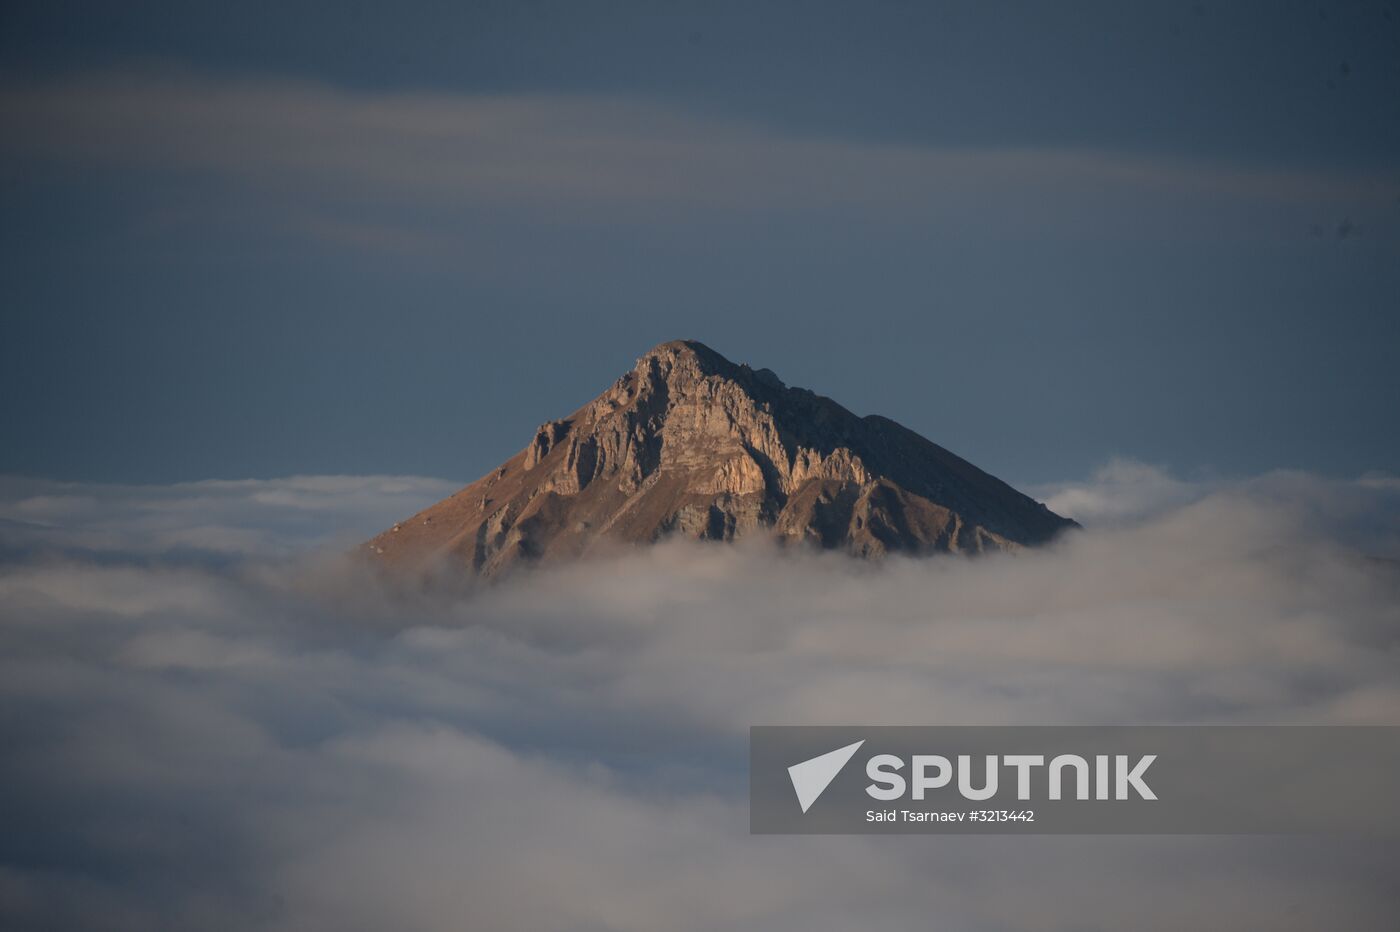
pixel 267 238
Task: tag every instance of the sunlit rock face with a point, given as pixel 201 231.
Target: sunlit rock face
pixel 690 444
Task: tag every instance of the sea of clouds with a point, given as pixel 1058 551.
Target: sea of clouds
pixel 210 719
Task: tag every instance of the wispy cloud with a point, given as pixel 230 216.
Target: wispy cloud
pixel 1362 513
pixel 267 518
pixel 535 152
pixel 274 743
pixel 1120 491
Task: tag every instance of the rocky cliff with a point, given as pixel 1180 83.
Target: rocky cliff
pixel 690 444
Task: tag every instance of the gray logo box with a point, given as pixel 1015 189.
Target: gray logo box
pixel 1207 780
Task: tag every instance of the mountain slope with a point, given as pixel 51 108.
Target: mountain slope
pixel 689 443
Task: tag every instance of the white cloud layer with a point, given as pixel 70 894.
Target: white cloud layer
pixel 268 741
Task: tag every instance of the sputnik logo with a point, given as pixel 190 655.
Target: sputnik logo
pixel 811 777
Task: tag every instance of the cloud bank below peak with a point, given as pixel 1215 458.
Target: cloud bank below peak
pixel 267 742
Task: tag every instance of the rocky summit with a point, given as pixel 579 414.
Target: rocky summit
pixel 690 444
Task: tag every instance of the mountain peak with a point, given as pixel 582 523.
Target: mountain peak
pixel 687 357
pixel 693 349
pixel 694 360
pixel 691 444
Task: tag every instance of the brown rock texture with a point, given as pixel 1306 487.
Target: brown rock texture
pixel 690 444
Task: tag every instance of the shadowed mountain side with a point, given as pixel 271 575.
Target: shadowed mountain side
pixel 689 443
